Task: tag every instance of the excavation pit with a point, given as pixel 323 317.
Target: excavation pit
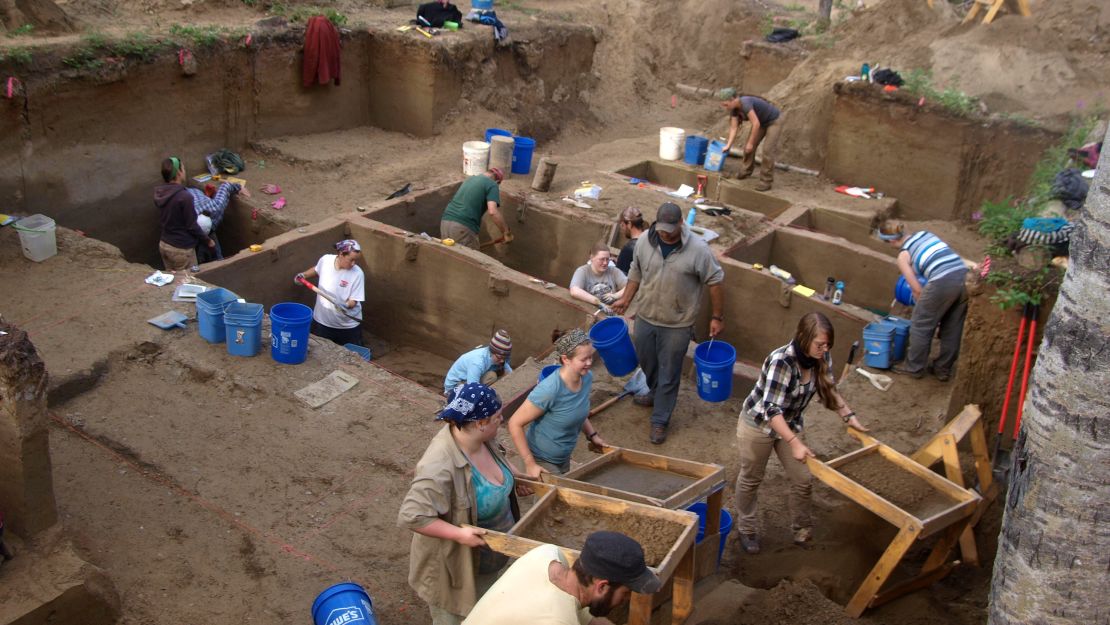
pixel 425 303
pixel 549 242
pixel 811 258
pixel 718 188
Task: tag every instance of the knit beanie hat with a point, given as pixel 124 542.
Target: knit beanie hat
pixel 501 343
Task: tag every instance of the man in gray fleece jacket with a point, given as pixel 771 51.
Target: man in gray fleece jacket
pixel 670 268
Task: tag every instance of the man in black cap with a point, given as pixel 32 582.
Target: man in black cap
pixel 670 269
pixel 541 587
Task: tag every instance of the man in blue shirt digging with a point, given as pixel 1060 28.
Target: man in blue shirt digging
pixel 484 363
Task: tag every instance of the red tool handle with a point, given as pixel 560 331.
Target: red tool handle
pixel 1013 370
pixel 1025 370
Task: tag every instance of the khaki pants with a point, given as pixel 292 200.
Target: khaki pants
pixel 768 137
pixel 175 258
pixel 461 234
pixel 755 451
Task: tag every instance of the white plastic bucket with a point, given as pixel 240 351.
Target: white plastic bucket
pixel 37 237
pixel 672 143
pixel 475 158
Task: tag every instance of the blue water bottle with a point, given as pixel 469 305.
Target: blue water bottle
pixel 691 216
pixel 838 294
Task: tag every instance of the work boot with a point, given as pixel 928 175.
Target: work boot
pixel 644 399
pixel 803 535
pixel 941 376
pixel 740 175
pixel 750 543
pixel 763 186
pixel 658 434
pixel 902 370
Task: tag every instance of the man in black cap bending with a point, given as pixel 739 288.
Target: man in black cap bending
pixel 541 587
pixel 670 268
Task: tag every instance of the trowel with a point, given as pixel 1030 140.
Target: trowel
pixel 167 320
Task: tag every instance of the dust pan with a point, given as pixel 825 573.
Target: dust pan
pixel 167 320
pixel 878 380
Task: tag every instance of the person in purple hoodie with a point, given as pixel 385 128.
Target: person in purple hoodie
pixel 180 232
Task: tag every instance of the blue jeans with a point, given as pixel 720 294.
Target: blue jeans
pixel 661 352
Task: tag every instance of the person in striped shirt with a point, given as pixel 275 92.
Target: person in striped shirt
pixel 942 301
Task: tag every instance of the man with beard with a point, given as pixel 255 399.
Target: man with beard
pixel 542 588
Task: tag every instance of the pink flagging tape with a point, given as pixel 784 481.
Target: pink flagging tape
pixel 9 87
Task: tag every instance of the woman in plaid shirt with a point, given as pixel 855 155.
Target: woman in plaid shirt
pixel 772 421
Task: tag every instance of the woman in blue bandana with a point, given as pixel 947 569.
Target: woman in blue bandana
pixel 462 483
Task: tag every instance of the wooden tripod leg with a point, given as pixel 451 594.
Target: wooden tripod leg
pixel 972 12
pixel 993 11
pixel 639 609
pixel 882 570
pixel 939 555
pixel 952 470
pixel 682 596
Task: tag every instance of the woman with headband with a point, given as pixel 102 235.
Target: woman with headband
pixel 557 410
pixel 342 278
pixel 462 483
pixel 180 233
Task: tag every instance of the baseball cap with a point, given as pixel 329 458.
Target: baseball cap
pixel 669 217
pixel 615 557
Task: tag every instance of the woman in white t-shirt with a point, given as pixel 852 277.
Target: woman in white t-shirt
pixel 598 282
pixel 342 278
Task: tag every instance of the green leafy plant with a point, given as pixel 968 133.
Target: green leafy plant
pixel 919 82
pixel 19 55
pixel 1018 285
pixel 300 14
pixel 198 36
pixel 25 29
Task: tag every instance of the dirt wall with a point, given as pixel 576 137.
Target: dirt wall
pixel 717 187
pixel 755 322
pixel 938 165
pixel 765 65
pixel 812 257
pixel 851 225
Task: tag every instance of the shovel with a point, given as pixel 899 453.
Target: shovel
pixel 328 296
pixel 167 320
pixel 636 385
pixel 878 380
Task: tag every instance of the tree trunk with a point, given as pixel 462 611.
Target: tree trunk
pixel 824 13
pixel 1053 562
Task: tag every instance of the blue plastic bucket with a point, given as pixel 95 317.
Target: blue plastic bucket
pixel 496 132
pixel 877 341
pixel 901 336
pixel 364 352
pixel 482 5
pixel 343 604
pixel 726 527
pixel 210 313
pixel 289 326
pixel 714 360
pixel 695 150
pixel 715 156
pixel 243 325
pixel 902 291
pixel 522 154
pixel 546 371
pixel 610 337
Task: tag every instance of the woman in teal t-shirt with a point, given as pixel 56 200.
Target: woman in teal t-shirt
pixel 545 428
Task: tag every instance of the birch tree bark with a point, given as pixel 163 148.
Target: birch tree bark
pixel 1053 561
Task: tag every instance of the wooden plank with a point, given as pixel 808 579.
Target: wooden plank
pixel 705 556
pixel 971 13
pixel 517 546
pixel 921 581
pixel 589 487
pixel 854 491
pixel 958 427
pixel 682 599
pixel 855 455
pixel 937 522
pixel 1023 8
pixel 612 505
pixel 694 492
pixel 982 461
pixel 545 498
pixel 882 570
pixel 713 506
pixel 682 466
pixel 936 481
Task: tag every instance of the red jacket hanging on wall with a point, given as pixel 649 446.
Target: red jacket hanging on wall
pixel 321 52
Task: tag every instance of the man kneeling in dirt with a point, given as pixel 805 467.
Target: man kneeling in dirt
pixel 541 587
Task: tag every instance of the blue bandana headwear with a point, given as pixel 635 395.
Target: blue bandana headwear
pixel 471 402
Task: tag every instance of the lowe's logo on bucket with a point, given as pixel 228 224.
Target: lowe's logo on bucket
pixel 341 616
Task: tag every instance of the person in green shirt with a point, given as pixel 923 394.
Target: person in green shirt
pixel 477 195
